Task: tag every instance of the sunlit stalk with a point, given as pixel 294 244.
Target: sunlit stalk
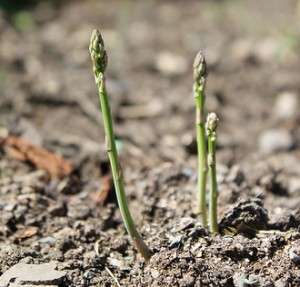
pixel 99 57
pixel 211 131
pixel 200 76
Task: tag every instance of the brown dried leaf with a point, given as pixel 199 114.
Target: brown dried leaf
pixel 53 164
pixel 26 233
pixel 105 192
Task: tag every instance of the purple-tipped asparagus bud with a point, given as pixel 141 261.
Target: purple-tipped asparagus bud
pixel 212 122
pixel 200 68
pixel 98 53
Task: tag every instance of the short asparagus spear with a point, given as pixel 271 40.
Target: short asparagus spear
pixel 99 57
pixel 200 76
pixel 211 131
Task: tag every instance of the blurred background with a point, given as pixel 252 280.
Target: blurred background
pixel 48 94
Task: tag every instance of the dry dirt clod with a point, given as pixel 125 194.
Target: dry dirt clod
pixel 248 217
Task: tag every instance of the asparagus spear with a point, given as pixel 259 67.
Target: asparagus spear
pixel 200 76
pixel 211 131
pixel 100 59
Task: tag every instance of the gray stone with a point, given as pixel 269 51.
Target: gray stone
pixel 274 140
pixel 265 50
pixel 286 105
pixel 281 283
pixel 176 241
pixel 235 175
pixel 253 280
pixel 187 281
pixel 154 273
pixel 49 240
pixel 185 223
pixel 294 254
pixel 32 274
pixel 30 132
pixel 290 163
pixel 89 274
pixel 170 64
pixel 267 284
pixel 10 207
pixel 238 280
pixel 242 50
pixel 115 262
pixel 294 185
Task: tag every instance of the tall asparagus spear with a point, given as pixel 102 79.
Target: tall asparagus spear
pixel 211 131
pixel 100 59
pixel 200 76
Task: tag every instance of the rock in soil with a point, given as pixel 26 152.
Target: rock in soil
pixel 32 275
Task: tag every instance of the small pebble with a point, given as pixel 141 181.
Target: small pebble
pixel 235 175
pixel 294 255
pixel 280 283
pixel 266 49
pixel 115 262
pixel 171 64
pixel 290 163
pixel 154 273
pixel 267 284
pixel 227 239
pixel 242 49
pixel 4 132
pixel 176 241
pixel 187 281
pixel 286 105
pixel 188 172
pixel 238 280
pixel 49 240
pixel 274 140
pixel 185 223
pixel 88 275
pixel 10 207
pixel 294 185
pixel 253 280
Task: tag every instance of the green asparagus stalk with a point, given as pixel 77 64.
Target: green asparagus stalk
pixel 211 131
pixel 200 76
pixel 100 59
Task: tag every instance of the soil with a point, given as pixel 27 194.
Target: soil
pixel 57 197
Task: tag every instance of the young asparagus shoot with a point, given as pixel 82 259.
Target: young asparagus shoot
pixel 211 131
pixel 100 59
pixel 200 76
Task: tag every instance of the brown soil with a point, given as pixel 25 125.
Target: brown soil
pixel 62 208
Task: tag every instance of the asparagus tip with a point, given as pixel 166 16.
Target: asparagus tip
pixel 211 124
pixel 98 52
pixel 200 68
